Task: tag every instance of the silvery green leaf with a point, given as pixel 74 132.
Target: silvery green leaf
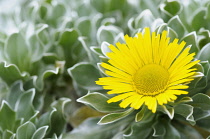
pixel 186 111
pixel 176 24
pixel 191 39
pixel 17 52
pixel 113 117
pixel 145 19
pixel 84 25
pixel 9 117
pixel 96 50
pixel 52 117
pixel 85 75
pixel 159 129
pixel 40 133
pixel 203 37
pixel 15 91
pixel 8 135
pixel 204 53
pixel 26 131
pixel 38 81
pixel 139 129
pixel 201 101
pixel 167 110
pixel 10 73
pixel 107 33
pixel 24 105
pixel 199 19
pixel 101 103
pixel 89 129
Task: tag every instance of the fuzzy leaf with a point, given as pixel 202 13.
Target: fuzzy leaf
pixel 176 24
pixel 89 129
pixel 145 19
pixel 112 117
pixel 186 111
pixel 167 110
pixel 172 7
pixel 26 131
pixel 204 53
pixel 105 48
pixel 10 73
pixel 56 118
pixel 67 40
pixel 8 117
pixel 107 33
pixel 101 103
pixel 18 52
pixel 24 105
pixel 159 129
pixel 15 92
pixel 199 20
pixel 8 135
pixel 201 101
pixel 37 47
pixel 40 133
pixel 140 129
pixel 140 115
pixel 191 39
pixel 85 75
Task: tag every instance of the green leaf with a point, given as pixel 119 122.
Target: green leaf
pixel 198 19
pixel 187 131
pixel 8 116
pixel 167 110
pixel 69 42
pixel 140 115
pixel 171 132
pixel 8 135
pixel 144 115
pixel 96 50
pixel 172 8
pixel 191 39
pixel 201 101
pixel 26 131
pixel 85 75
pixel 101 103
pixel 84 26
pixel 176 24
pixel 43 36
pixel 183 100
pixel 89 129
pixel 204 53
pixel 159 129
pixel 99 5
pixel 40 133
pixel 15 92
pixel 36 45
pixel 139 129
pixel 26 99
pixel 18 52
pixel 68 38
pixel 145 19
pixel 57 120
pixel 58 11
pixel 107 33
pixel 10 73
pixel 112 117
pixel 105 48
pixel 186 111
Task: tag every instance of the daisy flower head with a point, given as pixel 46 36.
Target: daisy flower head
pixel 148 70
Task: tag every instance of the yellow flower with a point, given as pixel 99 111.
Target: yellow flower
pixel 148 70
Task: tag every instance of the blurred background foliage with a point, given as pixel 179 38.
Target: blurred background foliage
pixel 49 55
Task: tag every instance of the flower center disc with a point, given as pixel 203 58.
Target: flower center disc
pixel 151 79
